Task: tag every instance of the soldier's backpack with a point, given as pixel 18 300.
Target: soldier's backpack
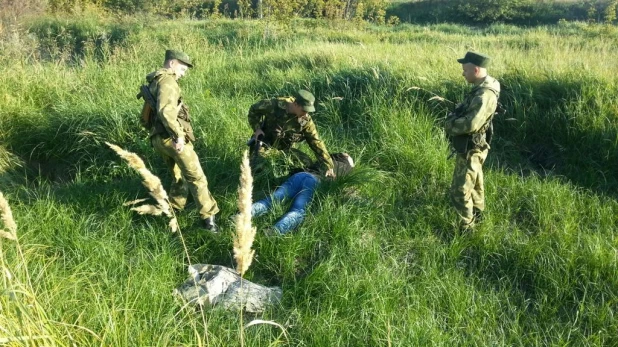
pixel 149 109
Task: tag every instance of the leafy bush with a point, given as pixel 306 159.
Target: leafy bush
pixel 523 12
pixel 370 10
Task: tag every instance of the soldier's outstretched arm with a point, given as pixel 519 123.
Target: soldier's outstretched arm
pixel 474 115
pixel 167 106
pixel 310 134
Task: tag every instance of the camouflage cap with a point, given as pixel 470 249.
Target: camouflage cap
pixel 305 99
pixel 478 59
pixel 178 55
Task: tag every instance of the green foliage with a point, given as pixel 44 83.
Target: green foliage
pixel 609 14
pixel 378 260
pixel 526 12
pixel 71 39
pixel 488 11
pixel 371 10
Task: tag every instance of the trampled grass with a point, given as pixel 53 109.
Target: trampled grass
pixel 378 261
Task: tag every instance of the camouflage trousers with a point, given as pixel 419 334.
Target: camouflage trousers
pixel 467 191
pixel 187 176
pixel 275 163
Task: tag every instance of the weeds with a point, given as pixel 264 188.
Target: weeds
pixel 378 265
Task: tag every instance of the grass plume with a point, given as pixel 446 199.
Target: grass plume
pixel 245 233
pixel 150 181
pixel 7 219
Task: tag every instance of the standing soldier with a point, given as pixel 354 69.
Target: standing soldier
pixel 469 128
pixel 172 136
pixel 278 123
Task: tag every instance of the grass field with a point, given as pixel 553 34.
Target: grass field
pixel 383 266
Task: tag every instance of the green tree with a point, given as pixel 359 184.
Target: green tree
pixel 375 11
pixel 491 10
pixel 609 14
pixel 244 8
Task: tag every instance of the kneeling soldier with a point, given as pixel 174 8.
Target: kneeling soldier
pixel 279 123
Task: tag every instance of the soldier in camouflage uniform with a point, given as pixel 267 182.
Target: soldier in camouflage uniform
pixel 279 123
pixel 172 136
pixel 467 129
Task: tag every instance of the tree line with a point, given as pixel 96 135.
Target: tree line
pixel 521 12
pixel 369 10
pixel 473 12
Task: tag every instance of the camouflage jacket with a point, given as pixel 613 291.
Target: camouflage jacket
pixel 172 115
pixel 282 130
pixel 477 109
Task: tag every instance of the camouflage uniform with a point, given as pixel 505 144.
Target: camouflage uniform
pixel 470 123
pixel 172 122
pixel 283 130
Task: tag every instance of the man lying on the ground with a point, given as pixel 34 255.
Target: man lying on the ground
pixel 299 187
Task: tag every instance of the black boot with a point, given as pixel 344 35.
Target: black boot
pixel 209 224
pixel 478 215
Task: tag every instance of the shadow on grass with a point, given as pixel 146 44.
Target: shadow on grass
pixel 550 286
pixel 77 39
pixel 527 13
pixel 559 127
pixel 555 125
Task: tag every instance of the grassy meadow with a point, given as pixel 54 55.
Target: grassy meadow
pixel 378 262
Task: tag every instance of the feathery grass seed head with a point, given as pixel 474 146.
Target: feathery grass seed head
pixel 149 180
pixel 245 233
pixel 7 219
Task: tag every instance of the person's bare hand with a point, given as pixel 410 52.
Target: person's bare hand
pixel 179 144
pixel 258 132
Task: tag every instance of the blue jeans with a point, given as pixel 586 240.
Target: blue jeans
pixel 300 188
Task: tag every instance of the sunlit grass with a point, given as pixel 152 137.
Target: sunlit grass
pixel 378 260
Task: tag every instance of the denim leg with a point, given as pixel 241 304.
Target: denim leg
pixel 260 208
pixel 285 191
pixel 296 215
pixel 290 221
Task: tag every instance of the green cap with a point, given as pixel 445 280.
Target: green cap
pixel 305 99
pixel 178 55
pixel 478 59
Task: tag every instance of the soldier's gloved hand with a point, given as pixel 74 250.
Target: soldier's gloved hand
pixel 179 144
pixel 330 173
pixel 257 133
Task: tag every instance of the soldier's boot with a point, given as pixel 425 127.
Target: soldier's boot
pixel 479 217
pixel 209 224
pixel 467 224
pixel 467 228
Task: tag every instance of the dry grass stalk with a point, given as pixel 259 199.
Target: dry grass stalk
pixel 148 209
pixel 175 227
pixel 245 233
pixel 7 219
pixel 269 322
pixel 134 202
pixel 439 98
pixel 149 180
pixel 154 186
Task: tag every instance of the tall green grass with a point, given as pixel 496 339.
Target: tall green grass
pixel 378 261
